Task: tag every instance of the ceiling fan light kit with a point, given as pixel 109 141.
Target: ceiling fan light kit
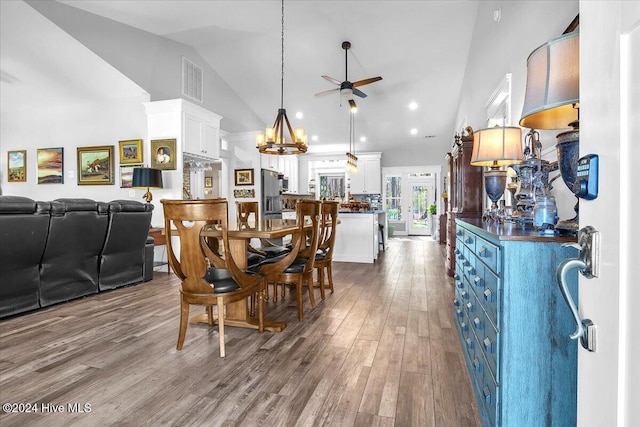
pixel 352 160
pixel 272 140
pixel 346 88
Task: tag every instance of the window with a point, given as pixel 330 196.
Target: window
pixel 393 194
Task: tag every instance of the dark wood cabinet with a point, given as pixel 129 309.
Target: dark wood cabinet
pixel 464 191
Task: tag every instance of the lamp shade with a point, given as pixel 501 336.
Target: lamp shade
pixel 553 84
pixel 497 146
pixel 147 178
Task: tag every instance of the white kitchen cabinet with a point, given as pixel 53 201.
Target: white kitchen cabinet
pixel 201 138
pixel 356 237
pixel 368 178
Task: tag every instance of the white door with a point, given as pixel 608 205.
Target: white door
pixel 609 378
pixel 419 196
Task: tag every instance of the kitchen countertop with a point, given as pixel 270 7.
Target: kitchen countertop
pixel 371 212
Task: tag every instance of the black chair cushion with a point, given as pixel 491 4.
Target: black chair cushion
pixel 297 266
pixel 254 259
pixel 221 280
pixel 320 255
pixel 275 251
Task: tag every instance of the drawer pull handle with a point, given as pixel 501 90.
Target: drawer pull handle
pixel 483 252
pixel 471 270
pixel 459 233
pixel 470 306
pixel 477 323
pixel 465 262
pixel 487 394
pixel 469 343
pixel 456 303
pixel 488 345
pixel 478 281
pixel 459 284
pixel 464 295
pixel 488 295
pixel 459 312
pixel 463 326
pixel 457 251
pixel 468 240
pixel 456 276
pixel 477 366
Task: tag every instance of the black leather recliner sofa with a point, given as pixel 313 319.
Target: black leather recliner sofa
pixel 56 251
pixel 127 234
pixel 24 225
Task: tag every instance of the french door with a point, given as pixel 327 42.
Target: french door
pixel 420 196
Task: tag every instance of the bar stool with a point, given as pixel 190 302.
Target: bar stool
pixel 381 242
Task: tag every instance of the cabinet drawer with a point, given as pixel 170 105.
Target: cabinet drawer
pixel 489 346
pixel 469 239
pixel 490 296
pixel 489 394
pixel 488 254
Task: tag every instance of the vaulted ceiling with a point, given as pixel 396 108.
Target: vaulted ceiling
pixel 419 48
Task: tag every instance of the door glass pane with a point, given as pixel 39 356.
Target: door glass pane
pixel 420 205
pixel 393 192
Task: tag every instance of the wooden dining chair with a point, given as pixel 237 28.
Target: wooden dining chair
pixel 324 255
pixel 267 248
pixel 208 277
pixel 299 270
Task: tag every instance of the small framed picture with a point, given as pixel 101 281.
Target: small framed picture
pixel 208 181
pixel 131 151
pixel 244 176
pixel 50 165
pixel 126 175
pixel 95 165
pixel 163 154
pixel 17 161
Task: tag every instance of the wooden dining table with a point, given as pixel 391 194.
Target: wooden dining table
pixel 240 234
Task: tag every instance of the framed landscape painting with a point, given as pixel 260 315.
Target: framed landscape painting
pixel 126 175
pixel 130 151
pixel 50 165
pixel 95 165
pixel 17 161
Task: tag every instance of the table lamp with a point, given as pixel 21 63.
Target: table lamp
pixel 147 178
pixel 552 101
pixel 496 147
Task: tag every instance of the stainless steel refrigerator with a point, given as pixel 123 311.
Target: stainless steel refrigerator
pixel 271 195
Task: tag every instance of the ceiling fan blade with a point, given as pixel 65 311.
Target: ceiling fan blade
pixel 327 92
pixel 359 93
pixel 366 81
pixel 332 80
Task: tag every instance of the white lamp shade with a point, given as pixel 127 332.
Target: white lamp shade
pixel 553 84
pixel 497 146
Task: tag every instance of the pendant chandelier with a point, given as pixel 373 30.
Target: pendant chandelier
pixel 352 160
pixel 272 140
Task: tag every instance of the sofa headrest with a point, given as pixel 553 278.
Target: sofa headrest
pixel 129 206
pixel 78 205
pixel 22 205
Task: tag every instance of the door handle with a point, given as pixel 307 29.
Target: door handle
pixel 587 265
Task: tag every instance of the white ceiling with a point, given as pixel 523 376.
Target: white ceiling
pixel 420 49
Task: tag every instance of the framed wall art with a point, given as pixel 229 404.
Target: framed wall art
pixel 163 154
pixel 244 193
pixel 126 175
pixel 95 165
pixel 130 151
pixel 243 176
pixel 50 165
pixel 17 165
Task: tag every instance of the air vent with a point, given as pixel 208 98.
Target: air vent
pixel 191 80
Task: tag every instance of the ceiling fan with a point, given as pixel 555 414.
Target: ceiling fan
pixel 347 88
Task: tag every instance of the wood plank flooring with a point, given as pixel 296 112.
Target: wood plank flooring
pixel 381 351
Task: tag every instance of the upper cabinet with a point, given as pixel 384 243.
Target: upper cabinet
pixel 197 129
pixel 369 177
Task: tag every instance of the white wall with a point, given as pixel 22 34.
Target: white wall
pixel 71 126
pixel 498 48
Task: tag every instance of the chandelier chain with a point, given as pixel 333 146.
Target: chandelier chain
pixel 282 59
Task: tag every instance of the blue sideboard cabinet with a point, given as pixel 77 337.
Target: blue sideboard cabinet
pixel 514 325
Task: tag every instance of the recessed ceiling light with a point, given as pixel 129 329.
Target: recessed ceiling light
pixel 314 137
pixel 299 115
pixel 363 139
pixel 413 105
pixel 414 131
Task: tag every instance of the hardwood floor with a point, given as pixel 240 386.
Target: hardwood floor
pixel 381 351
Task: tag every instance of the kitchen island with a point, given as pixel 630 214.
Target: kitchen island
pixel 357 236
